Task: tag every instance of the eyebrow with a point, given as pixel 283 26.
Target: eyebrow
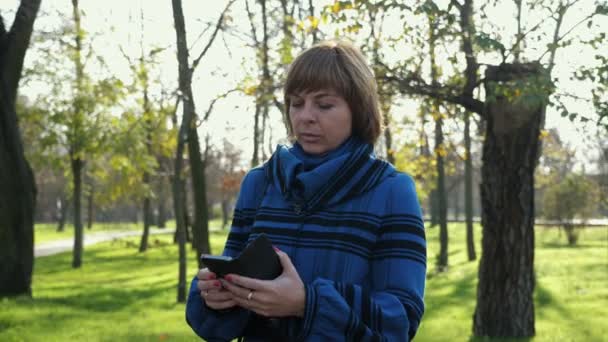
pixel 319 95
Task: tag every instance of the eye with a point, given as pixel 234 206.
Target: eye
pixel 296 103
pixel 325 106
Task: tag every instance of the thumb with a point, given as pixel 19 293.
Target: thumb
pixel 285 261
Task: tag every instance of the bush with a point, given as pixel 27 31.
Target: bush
pixel 571 201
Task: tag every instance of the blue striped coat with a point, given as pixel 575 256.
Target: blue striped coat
pixel 352 226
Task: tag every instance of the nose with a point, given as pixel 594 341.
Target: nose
pixel 306 113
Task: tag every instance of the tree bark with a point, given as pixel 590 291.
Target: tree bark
pixel 143 244
pixel 63 213
pixel 161 220
pixel 225 213
pixel 441 193
pixel 77 166
pixel 200 224
pixel 255 159
pixel 468 187
pixel 90 208
pixel 147 208
pixel 17 184
pixel 505 304
pixel 76 161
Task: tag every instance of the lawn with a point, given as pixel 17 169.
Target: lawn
pixel 46 232
pixel 123 295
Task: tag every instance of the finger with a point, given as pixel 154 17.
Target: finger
pixel 248 283
pixel 285 260
pixel 252 305
pixel 205 274
pixel 205 285
pixel 236 290
pixel 217 296
pixel 222 305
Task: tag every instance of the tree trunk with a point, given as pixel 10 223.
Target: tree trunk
pixel 441 195
pixel 225 213
pixel 388 137
pixel 200 224
pixel 77 167
pixel 17 184
pixel 143 244
pixel 161 220
pixel 90 208
pixel 63 213
pixel 468 187
pixel 178 181
pixel 505 304
pixel 255 159
pixel 76 161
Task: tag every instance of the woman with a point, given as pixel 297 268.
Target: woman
pixel 347 227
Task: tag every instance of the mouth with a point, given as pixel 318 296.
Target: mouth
pixel 309 137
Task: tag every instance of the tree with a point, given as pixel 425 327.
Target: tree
pixel 188 133
pixel 517 90
pixel 17 187
pixel 87 132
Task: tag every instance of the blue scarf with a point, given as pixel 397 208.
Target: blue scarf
pixel 324 180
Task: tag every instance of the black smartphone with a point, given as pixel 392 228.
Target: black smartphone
pixel 258 260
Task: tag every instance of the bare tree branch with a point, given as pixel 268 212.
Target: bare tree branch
pixel 210 108
pixel 468 32
pixel 413 84
pixel 562 9
pixel 250 16
pixel 210 42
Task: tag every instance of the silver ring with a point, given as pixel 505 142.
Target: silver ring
pixel 250 295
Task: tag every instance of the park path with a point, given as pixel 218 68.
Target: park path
pixel 60 246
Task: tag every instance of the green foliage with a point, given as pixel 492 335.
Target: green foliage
pixel 531 92
pixel 486 43
pixel 575 196
pixel 420 167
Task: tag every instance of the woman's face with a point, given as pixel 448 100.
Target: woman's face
pixel 321 120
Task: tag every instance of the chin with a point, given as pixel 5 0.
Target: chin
pixel 314 149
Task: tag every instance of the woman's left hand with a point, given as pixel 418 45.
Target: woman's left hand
pixel 281 297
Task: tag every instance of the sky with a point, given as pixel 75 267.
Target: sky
pixel 116 23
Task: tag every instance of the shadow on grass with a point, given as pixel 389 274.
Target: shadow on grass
pixel 463 291
pixel 104 299
pixel 498 339
pixel 565 245
pixel 102 259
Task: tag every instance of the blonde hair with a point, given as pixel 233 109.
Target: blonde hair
pixel 340 66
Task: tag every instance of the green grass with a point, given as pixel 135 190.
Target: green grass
pixel 46 232
pixel 571 297
pixel 118 295
pixel 123 295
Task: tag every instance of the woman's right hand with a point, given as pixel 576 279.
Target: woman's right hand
pixel 212 292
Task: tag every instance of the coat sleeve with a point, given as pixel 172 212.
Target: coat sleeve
pixel 226 325
pixel 391 308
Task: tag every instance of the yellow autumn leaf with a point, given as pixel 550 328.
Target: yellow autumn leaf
pixel 336 7
pixel 543 134
pixel 314 21
pixel 250 90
